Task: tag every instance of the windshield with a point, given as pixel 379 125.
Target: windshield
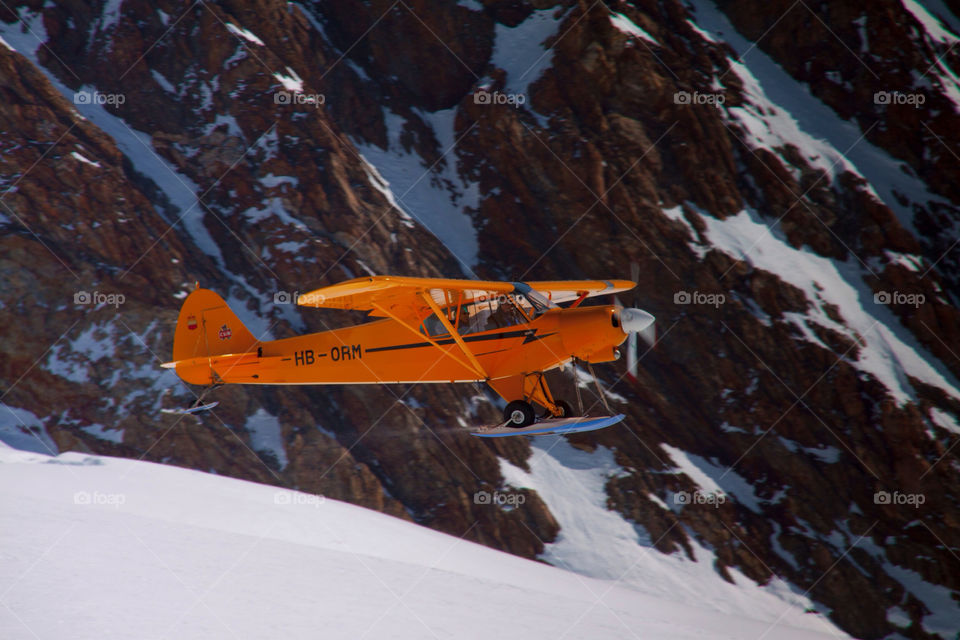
pixel 536 299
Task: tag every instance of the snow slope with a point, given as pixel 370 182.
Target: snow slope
pixel 98 547
pixel 432 194
pixel 597 542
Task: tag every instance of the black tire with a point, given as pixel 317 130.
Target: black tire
pixel 566 411
pixel 519 414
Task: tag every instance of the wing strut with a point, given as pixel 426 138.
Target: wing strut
pixel 454 333
pixel 481 374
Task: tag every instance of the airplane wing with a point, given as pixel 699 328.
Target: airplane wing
pixel 399 294
pixel 402 295
pixel 568 290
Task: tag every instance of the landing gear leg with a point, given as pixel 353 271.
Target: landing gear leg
pixel 535 388
pixel 529 388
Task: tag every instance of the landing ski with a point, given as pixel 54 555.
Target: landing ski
pixel 550 426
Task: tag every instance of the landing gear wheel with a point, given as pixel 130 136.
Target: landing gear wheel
pixel 519 414
pixel 566 411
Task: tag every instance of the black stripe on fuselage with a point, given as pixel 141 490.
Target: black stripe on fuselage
pixel 521 333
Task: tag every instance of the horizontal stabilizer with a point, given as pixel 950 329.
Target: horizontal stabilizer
pixel 227 359
pixel 190 410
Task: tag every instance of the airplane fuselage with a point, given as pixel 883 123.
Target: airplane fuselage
pixel 385 351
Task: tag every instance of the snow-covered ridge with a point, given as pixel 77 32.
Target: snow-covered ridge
pixel 95 544
pixel 629 27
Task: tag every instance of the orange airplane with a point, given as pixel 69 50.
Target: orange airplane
pixel 506 334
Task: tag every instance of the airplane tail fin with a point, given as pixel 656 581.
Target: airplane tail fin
pixel 207 327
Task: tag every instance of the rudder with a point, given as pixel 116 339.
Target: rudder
pixel 208 327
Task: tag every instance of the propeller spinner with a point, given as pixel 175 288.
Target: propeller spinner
pixel 635 320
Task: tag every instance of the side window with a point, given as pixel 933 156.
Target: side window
pixel 432 326
pixel 475 317
pixel 490 314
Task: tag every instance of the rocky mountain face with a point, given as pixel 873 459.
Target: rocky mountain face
pixel 791 200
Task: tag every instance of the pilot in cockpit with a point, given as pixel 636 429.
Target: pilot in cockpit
pixel 505 315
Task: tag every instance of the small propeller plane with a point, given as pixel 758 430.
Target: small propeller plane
pixel 507 334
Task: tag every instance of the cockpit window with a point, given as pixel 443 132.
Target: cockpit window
pixel 433 327
pixel 489 311
pixel 496 311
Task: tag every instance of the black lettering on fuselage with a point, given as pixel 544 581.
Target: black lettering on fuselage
pixel 346 352
pixel 304 357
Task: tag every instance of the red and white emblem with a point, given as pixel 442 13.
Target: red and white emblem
pixel 225 333
pixel 192 323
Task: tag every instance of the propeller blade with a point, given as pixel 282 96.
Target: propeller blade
pixel 636 322
pixel 632 355
pixel 649 334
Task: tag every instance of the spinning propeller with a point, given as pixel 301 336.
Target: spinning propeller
pixel 636 322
